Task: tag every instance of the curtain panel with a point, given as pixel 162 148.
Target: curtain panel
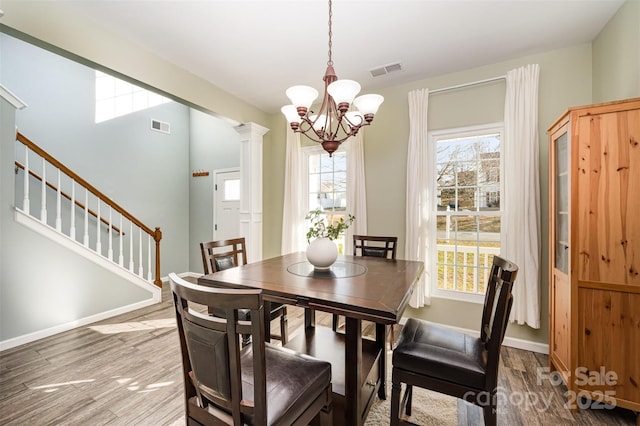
pixel 293 223
pixel 522 191
pixel 356 189
pixel 419 203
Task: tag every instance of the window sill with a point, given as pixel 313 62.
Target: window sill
pixel 457 295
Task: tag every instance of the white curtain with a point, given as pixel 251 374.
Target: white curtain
pixel 293 223
pixel 522 191
pixel 356 189
pixel 419 191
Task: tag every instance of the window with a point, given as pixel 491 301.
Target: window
pixel 327 185
pixel 232 190
pixel 468 212
pixel 115 97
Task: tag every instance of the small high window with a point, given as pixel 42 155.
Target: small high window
pixel 115 97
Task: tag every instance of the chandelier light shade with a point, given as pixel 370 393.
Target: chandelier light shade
pixel 341 114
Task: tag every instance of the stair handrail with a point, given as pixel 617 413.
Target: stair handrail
pixel 155 233
pixel 19 165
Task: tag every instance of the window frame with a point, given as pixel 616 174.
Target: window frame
pixel 434 137
pixel 315 149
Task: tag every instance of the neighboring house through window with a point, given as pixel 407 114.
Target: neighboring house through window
pixel 467 174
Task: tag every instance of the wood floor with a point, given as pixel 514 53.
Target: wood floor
pixel 126 371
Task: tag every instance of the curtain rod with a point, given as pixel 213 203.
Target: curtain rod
pixel 473 83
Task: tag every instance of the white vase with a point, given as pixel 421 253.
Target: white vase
pixel 322 253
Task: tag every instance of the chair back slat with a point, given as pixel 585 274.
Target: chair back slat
pixel 374 246
pixel 497 307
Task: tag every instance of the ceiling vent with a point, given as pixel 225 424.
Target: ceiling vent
pixel 386 69
pixel 160 126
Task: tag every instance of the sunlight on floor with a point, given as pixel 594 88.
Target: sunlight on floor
pixel 124 381
pixel 56 386
pixel 125 327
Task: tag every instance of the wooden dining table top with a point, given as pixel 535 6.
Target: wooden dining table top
pixel 373 289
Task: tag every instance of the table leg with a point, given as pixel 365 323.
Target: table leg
pixel 353 371
pixel 309 318
pixel 381 338
pixel 267 320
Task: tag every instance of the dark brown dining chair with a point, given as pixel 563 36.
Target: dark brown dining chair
pixel 448 361
pixel 229 384
pixel 369 245
pixel 225 254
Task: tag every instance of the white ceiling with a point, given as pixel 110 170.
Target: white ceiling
pixel 255 50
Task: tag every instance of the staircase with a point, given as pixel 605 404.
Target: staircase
pixel 55 201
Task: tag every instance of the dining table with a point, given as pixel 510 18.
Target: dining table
pixel 358 288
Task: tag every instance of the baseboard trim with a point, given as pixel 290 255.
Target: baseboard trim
pixel 511 342
pixel 41 334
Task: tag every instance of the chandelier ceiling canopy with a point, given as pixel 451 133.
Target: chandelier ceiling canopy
pixel 341 114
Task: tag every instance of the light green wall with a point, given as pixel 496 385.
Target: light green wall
pixel 616 56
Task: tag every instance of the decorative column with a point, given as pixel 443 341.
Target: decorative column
pixel 251 187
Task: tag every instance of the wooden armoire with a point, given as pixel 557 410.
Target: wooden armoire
pixel 594 253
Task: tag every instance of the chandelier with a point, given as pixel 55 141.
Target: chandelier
pixel 341 114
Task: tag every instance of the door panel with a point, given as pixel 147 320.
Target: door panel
pixel 227 204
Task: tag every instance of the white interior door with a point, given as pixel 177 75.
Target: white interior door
pixel 226 196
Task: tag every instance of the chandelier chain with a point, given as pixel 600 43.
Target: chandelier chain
pixel 330 61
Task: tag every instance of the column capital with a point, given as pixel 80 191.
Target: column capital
pixel 251 129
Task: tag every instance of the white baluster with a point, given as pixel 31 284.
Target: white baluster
pixel 131 247
pixel 149 258
pixel 110 252
pixel 25 201
pixel 98 236
pixel 140 271
pixel 58 206
pixel 72 226
pixel 86 218
pixel 43 197
pixel 121 256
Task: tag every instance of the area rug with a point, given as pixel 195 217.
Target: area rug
pixel 427 408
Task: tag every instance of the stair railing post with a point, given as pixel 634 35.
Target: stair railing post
pixel 58 206
pixel 130 246
pixel 86 218
pixel 98 236
pixel 110 252
pixel 157 236
pixel 121 256
pixel 43 195
pixel 72 225
pixel 25 201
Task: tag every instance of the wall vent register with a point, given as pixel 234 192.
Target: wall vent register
pixel 161 126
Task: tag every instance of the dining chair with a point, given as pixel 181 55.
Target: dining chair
pixel 225 254
pixel 448 361
pixel 226 383
pixel 368 245
pixel 374 246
